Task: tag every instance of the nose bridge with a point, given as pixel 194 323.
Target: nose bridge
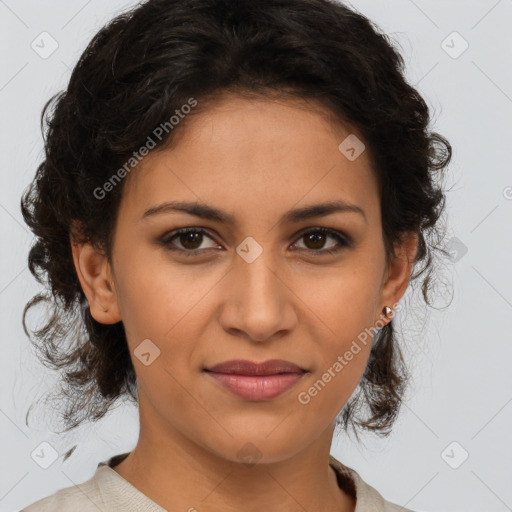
pixel 257 268
pixel 257 300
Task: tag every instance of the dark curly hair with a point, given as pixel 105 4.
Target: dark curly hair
pixel 134 75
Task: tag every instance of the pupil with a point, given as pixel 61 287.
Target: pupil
pixel 317 238
pixel 193 238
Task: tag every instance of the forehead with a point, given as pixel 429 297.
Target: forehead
pixel 270 154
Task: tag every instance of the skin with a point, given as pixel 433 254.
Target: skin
pixel 255 159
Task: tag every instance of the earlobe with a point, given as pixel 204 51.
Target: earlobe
pixel 93 271
pixel 398 272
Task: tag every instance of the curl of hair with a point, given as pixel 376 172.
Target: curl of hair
pixel 147 63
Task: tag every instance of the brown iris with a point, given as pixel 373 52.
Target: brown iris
pixel 192 238
pixel 317 239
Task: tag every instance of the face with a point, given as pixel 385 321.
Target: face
pixel 264 285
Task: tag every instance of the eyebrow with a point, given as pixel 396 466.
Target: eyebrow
pixel 208 212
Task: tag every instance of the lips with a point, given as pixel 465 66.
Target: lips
pixel 256 381
pixel 244 367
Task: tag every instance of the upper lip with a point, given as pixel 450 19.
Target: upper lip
pixel 245 367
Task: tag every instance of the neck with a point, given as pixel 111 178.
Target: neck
pixel 178 474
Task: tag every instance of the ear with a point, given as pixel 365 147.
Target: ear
pixel 94 273
pixel 398 272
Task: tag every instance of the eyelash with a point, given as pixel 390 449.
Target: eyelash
pixel 343 240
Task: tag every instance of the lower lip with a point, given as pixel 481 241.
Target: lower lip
pixel 261 387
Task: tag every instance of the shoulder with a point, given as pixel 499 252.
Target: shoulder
pixel 368 499
pixel 105 490
pixel 84 497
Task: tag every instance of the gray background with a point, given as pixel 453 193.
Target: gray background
pixel 459 356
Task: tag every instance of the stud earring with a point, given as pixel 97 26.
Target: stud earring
pixel 387 310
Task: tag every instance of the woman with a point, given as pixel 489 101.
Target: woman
pixel 234 197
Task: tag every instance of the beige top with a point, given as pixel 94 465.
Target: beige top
pixel 108 491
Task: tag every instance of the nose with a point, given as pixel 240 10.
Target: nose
pixel 258 302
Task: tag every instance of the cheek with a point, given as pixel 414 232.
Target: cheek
pixel 156 297
pixel 326 391
pixel 342 326
pixel 343 302
pixel 154 316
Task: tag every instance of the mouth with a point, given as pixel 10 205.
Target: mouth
pixel 256 381
pixel 244 367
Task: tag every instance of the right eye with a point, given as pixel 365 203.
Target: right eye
pixel 189 238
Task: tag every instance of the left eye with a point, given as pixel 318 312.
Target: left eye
pixel 312 236
pixel 192 238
